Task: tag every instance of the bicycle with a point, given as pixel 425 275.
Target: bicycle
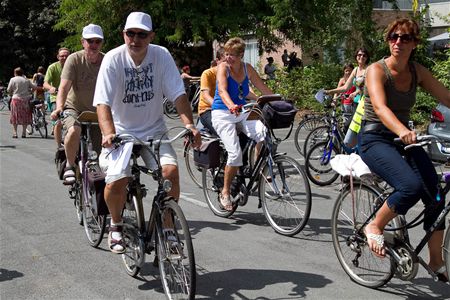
pixel 87 191
pixel 355 207
pixel 38 121
pixel 5 101
pixel 326 147
pixel 171 111
pixel 283 188
pixel 173 245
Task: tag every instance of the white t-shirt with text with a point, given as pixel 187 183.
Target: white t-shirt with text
pixel 135 93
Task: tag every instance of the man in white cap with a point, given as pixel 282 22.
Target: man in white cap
pixel 129 97
pixel 76 93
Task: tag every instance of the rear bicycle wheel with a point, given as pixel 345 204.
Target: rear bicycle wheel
pixel 194 172
pixel 134 256
pixel 94 224
pixel 175 252
pixel 349 241
pixel 303 128
pixel 286 198
pixel 446 247
pixel 317 164
pixel 212 184
pixel 170 110
pixel 40 123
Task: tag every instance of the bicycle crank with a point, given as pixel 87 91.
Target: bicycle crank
pixel 408 265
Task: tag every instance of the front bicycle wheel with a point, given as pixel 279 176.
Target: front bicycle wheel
pixel 176 254
pixel 94 224
pixel 304 127
pixel 315 136
pixel 134 256
pixel 194 172
pixel 212 184
pixel 170 110
pixel 317 164
pixel 77 191
pixel 285 195
pixel 349 241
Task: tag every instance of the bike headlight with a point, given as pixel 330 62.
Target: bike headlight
pixel 167 185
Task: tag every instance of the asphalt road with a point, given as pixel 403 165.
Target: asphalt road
pixel 45 255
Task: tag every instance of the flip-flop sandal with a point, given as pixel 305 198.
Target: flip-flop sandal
pixel 112 243
pixel 378 238
pixel 225 203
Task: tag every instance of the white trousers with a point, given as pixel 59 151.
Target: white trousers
pixel 225 124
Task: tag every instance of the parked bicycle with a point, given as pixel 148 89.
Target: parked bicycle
pixel 38 121
pixel 170 109
pixel 283 188
pixel 5 101
pixel 325 143
pixel 356 206
pixel 172 243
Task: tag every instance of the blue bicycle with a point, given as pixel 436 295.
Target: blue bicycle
pixel 324 143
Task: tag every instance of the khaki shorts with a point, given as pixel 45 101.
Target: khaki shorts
pixel 70 119
pixel 167 155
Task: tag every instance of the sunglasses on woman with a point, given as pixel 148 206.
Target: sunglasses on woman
pixel 404 38
pixel 93 41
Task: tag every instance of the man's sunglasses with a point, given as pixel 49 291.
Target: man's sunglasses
pixel 404 38
pixel 140 34
pixel 92 41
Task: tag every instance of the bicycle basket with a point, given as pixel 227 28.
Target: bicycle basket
pixel 279 114
pixel 208 156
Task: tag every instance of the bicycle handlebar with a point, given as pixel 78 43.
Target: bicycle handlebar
pixel 128 138
pixel 421 140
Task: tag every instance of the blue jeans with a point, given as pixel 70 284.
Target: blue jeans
pixel 410 173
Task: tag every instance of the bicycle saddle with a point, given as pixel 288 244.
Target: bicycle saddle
pixel 88 116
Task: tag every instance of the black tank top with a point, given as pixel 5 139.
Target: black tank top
pixel 400 103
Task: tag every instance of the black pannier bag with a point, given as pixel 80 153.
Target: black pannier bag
pixel 208 155
pixel 97 180
pixel 279 114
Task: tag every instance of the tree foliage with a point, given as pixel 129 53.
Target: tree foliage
pixel 28 39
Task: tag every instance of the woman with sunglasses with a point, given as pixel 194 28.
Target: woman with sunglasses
pixel 390 94
pixel 356 78
pixel 233 78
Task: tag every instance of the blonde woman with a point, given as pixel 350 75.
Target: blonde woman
pixel 233 78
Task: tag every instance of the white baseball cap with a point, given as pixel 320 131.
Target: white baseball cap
pixel 139 20
pixel 92 31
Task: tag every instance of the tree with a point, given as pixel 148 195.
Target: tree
pixel 28 39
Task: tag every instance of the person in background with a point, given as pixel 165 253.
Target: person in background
pixel 347 102
pixel 270 68
pixel 233 86
pixel 131 84
pixel 391 85
pixel 187 79
pixel 294 61
pixel 76 93
pixel 285 58
pixel 208 90
pixel 51 84
pixel 38 80
pixel 20 89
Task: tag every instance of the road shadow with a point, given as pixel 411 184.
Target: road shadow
pixel 232 284
pixel 6 275
pixel 419 288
